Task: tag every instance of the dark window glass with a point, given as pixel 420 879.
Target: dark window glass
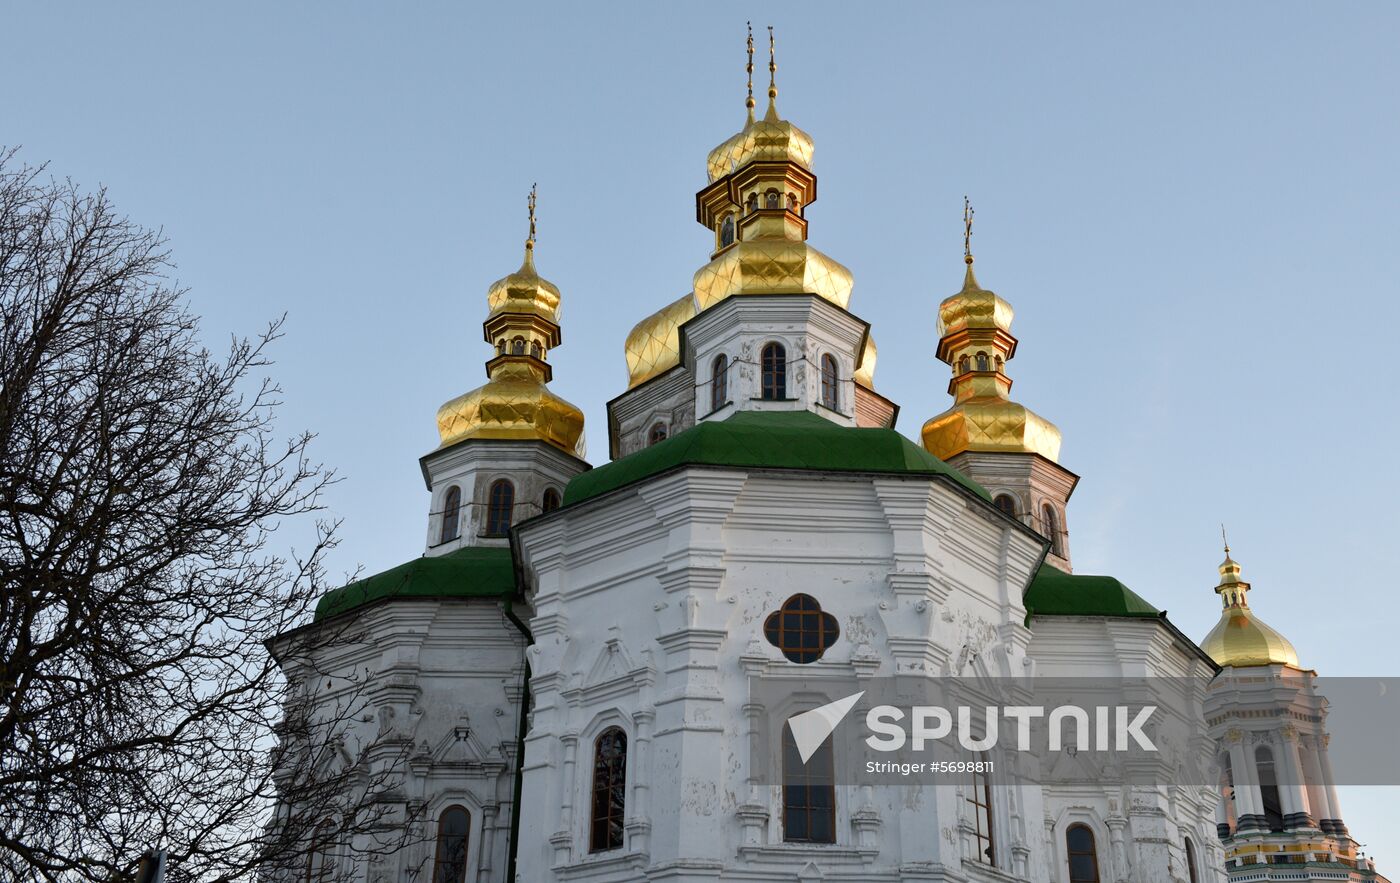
pixel 453 828
pixel 320 864
pixel 982 364
pixel 774 371
pixel 719 383
pixel 1268 788
pixel 1005 504
pixel 517 346
pixel 535 349
pixel 801 629
pixel 551 500
pixel 1083 857
pixel 984 839
pixel 1191 860
pixel 609 790
pixel 499 505
pixel 657 434
pixel 830 396
pixel 772 199
pixel 1051 527
pixel 726 231
pixel 451 514
pixel 809 794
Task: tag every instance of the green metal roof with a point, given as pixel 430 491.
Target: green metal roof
pixel 1056 593
pixel 473 572
pixel 769 440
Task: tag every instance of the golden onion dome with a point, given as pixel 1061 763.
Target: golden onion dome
pixel 772 266
pixel 990 423
pixel 1240 638
pixel 525 292
pixel 865 374
pixel 973 307
pixel 767 140
pixel 654 344
pixel 974 328
pixel 514 404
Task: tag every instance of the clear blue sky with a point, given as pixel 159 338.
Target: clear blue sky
pixel 1192 208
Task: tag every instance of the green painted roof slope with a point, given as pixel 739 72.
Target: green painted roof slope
pixel 473 572
pixel 1056 593
pixel 770 440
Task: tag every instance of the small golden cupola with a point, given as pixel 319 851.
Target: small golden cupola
pixel 515 403
pixel 761 183
pixel 974 328
pixel 1240 638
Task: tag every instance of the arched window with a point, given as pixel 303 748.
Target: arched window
pixel 1083 856
pixel 535 349
pixel 1005 504
pixel 830 392
pixel 774 371
pixel 964 365
pixel 772 199
pixel 982 364
pixel 500 502
pixel 809 793
pixel 980 796
pixel 657 434
pixel 751 203
pixel 792 201
pixel 551 500
pixel 320 863
pixel 501 346
pixel 454 826
pixel 1051 527
pixel 451 514
pixel 517 346
pixel 726 231
pixel 1268 787
pixel 1191 861
pixel 609 790
pixel 719 383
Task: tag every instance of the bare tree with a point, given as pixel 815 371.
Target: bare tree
pixel 141 480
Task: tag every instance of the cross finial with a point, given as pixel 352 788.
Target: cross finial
pixel 530 243
pixel 967 231
pixel 1224 539
pixel 749 102
pixel 772 68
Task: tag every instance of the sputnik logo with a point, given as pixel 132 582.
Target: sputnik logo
pixel 811 728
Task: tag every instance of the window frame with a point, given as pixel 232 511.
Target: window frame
pixel 451 527
pixel 773 377
pixel 1010 498
pixel 830 382
pixel 818 773
pixel 493 526
pixel 466 835
pixel 719 382
pixel 984 807
pixel 1093 853
pixel 613 790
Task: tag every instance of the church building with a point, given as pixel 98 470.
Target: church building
pixel 557 687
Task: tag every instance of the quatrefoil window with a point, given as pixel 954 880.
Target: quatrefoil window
pixel 801 629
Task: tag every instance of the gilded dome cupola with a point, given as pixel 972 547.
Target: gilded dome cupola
pixel 515 403
pixel 1240 638
pixel 975 340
